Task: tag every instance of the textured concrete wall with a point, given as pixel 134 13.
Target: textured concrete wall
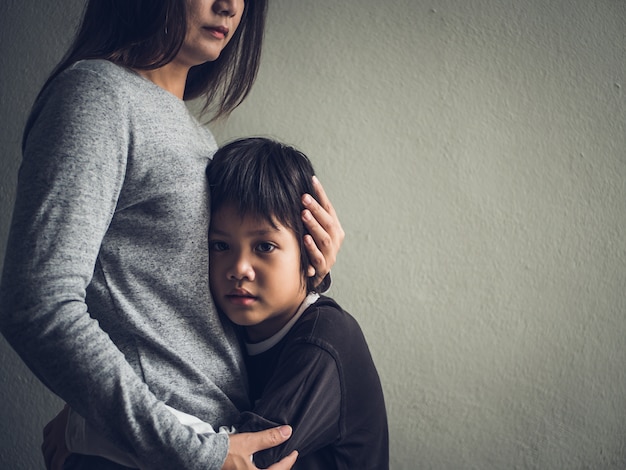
pixel 475 151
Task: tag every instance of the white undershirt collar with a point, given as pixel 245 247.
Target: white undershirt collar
pixel 262 346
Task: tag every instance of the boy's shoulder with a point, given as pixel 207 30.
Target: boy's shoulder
pixel 326 321
pixel 326 310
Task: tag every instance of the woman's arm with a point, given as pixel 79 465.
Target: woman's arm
pixel 68 432
pixel 71 175
pixel 68 429
pixel 305 392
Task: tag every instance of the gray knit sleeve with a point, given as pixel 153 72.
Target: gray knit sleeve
pixel 73 169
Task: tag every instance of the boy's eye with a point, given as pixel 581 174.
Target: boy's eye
pixel 217 246
pixel 265 247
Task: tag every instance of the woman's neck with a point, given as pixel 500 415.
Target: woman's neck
pixel 171 77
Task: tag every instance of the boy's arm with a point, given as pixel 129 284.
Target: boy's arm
pixel 304 392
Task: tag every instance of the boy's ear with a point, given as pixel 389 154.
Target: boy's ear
pixel 310 282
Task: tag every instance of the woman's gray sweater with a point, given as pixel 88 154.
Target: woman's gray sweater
pixel 105 290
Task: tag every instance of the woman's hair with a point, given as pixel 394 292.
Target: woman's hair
pixel 263 178
pixel 147 34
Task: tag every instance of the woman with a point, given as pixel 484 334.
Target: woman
pixel 105 288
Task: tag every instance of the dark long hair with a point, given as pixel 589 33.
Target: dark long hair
pixel 266 179
pixel 147 34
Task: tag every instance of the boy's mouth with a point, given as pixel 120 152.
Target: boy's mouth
pixel 240 297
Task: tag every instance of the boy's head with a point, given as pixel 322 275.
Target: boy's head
pixel 265 179
pixel 256 235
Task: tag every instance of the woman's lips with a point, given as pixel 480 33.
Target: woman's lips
pixel 218 32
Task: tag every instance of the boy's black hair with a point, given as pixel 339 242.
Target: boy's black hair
pixel 263 178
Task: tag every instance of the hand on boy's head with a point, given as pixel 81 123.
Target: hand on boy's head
pixel 326 233
pixel 243 446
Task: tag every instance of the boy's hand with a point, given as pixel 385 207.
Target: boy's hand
pixel 326 234
pixel 54 448
pixel 243 446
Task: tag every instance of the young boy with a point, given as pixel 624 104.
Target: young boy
pixel 308 363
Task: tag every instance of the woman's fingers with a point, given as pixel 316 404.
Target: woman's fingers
pixel 243 446
pixel 326 233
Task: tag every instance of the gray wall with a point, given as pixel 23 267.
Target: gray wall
pixel 475 151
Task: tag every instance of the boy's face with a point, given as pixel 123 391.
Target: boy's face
pixel 255 273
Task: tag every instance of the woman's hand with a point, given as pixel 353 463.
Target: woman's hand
pixel 54 448
pixel 243 446
pixel 326 234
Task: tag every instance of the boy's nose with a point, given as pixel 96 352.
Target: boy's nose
pixel 241 270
